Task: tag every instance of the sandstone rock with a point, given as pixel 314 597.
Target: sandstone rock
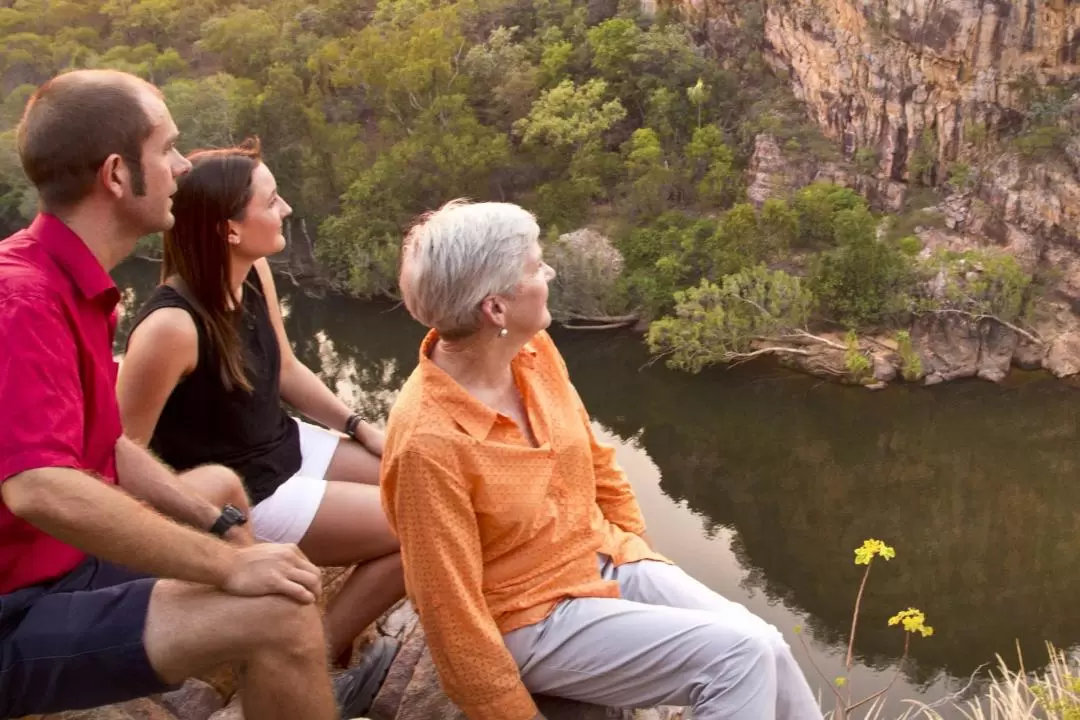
pixel 142 709
pixel 956 346
pixel 1063 355
pixel 886 366
pixel 232 711
pixel 770 174
pixel 881 76
pixel 823 362
pixel 196 700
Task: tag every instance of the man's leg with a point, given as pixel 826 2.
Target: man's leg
pixel 72 648
pixel 658 583
pixel 620 653
pixel 192 629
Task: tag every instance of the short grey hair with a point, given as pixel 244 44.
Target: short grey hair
pixel 458 255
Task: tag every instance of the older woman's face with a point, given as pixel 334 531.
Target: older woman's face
pixel 527 311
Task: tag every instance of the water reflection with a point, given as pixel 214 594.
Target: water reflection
pixel 762 482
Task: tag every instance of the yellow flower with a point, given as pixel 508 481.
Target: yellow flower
pixel 913 621
pixel 840 681
pixel 870 548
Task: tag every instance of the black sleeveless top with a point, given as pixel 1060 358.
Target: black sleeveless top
pixel 202 422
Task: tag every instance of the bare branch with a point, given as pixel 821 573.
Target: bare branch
pixel 816 338
pixel 735 358
pixel 632 317
pixel 606 326
pixel 748 301
pixel 1015 328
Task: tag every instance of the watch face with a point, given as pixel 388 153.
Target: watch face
pixel 234 514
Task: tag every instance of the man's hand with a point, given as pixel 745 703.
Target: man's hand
pixel 273 569
pixel 239 535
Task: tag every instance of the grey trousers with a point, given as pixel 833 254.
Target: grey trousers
pixel 669 640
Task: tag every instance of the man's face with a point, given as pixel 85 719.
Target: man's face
pixel 162 163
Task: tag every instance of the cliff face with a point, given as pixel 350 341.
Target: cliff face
pixel 878 73
pixel 891 77
pixel 907 88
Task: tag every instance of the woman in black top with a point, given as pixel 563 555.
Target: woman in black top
pixel 208 364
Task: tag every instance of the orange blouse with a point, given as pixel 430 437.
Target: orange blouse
pixel 493 531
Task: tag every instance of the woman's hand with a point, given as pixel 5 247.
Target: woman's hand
pixel 371 438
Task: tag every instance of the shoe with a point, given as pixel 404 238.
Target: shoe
pixel 355 689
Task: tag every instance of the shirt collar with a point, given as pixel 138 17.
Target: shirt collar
pixel 473 416
pixel 70 252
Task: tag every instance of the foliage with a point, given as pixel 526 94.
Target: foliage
pixel 864 281
pixel 816 207
pixel 587 269
pixel 857 364
pixel 669 254
pixel 911 367
pixel 1047 124
pixel 715 323
pixel 923 161
pixel 711 167
pixel 981 282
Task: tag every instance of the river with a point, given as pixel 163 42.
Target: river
pixel 761 482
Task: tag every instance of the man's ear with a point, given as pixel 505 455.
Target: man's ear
pixel 115 176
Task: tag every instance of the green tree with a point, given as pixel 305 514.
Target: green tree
pixel 718 323
pixel 863 282
pixel 711 167
pixel 816 206
pixel 650 177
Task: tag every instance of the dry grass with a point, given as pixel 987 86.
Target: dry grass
pixel 1052 693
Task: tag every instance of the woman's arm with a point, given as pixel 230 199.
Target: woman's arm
pixel 430 509
pixel 162 350
pixel 302 388
pixel 613 492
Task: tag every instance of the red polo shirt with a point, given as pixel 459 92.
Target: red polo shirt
pixel 57 381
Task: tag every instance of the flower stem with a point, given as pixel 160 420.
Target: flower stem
pixel 855 622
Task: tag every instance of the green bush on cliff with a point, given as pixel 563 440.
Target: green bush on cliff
pixel 864 281
pixel 980 282
pixel 720 322
pixel 816 207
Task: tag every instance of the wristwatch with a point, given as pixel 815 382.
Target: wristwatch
pixel 230 517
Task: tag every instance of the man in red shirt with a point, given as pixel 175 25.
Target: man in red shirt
pixel 88 520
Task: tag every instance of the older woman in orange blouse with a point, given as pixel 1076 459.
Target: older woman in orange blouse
pixel 524 549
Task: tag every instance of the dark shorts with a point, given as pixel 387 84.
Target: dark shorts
pixel 75 643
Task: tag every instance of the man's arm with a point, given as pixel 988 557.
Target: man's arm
pixel 103 521
pixel 142 475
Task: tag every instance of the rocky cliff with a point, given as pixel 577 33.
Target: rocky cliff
pixel 913 90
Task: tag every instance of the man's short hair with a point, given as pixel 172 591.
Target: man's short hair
pixel 74 122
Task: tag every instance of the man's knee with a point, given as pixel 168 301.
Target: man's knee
pixel 290 625
pixel 191 628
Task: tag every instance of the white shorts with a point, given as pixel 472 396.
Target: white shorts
pixel 285 516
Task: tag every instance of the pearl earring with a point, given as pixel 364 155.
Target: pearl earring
pixel 503 332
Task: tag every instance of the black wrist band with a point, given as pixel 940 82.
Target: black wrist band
pixel 351 424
